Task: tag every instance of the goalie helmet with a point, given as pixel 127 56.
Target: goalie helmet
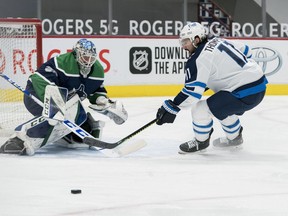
pixel 190 31
pixel 85 54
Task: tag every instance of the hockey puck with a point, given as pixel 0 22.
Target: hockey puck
pixel 76 191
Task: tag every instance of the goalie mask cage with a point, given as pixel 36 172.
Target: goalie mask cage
pixel 20 56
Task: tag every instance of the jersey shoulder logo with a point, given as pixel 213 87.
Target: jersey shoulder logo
pixel 49 69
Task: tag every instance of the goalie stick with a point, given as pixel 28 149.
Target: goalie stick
pixel 80 132
pixel 106 145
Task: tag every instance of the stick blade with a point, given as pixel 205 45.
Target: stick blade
pixel 129 146
pixel 125 148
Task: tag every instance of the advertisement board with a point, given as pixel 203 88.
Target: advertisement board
pixel 152 66
pixel 158 61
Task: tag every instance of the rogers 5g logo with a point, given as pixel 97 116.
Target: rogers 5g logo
pixel 140 60
pixel 269 59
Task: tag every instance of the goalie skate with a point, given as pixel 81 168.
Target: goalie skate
pixel 224 142
pixel 13 146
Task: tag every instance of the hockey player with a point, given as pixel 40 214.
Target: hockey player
pixel 222 66
pixel 82 76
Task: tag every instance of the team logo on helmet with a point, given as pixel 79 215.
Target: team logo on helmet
pixel 140 60
pixel 269 59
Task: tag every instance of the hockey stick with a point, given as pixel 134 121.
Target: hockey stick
pixel 106 145
pixel 80 132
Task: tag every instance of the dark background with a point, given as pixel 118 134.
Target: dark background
pixel 123 11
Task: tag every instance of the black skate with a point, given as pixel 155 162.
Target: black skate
pixel 223 142
pixel 13 146
pixel 194 145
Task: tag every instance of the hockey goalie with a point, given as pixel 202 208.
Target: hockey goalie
pixel 62 83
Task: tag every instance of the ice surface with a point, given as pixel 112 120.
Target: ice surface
pixel 157 181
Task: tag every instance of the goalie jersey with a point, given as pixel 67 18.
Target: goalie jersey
pixel 63 71
pixel 220 66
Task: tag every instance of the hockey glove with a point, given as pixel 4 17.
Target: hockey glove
pixel 113 109
pixel 167 113
pixel 102 103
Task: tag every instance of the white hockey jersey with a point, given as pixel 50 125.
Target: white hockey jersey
pixel 220 66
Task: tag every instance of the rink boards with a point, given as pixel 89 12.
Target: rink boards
pixel 154 66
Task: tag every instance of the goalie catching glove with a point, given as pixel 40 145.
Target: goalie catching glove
pixel 113 109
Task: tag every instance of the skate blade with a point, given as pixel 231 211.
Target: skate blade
pixel 229 148
pixel 192 153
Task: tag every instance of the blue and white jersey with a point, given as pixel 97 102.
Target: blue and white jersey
pixel 220 66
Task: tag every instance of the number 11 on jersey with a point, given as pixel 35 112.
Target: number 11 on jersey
pixel 232 52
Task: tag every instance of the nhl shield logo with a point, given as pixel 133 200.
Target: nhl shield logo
pixel 140 60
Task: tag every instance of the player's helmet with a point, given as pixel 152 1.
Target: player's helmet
pixel 190 31
pixel 85 54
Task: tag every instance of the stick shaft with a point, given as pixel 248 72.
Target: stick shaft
pixel 22 89
pixel 107 145
pixel 137 131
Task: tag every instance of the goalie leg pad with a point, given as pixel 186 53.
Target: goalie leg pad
pixel 55 102
pixel 36 136
pixel 96 126
pixel 38 132
pixel 28 137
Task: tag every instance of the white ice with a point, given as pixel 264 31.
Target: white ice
pixel 156 180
